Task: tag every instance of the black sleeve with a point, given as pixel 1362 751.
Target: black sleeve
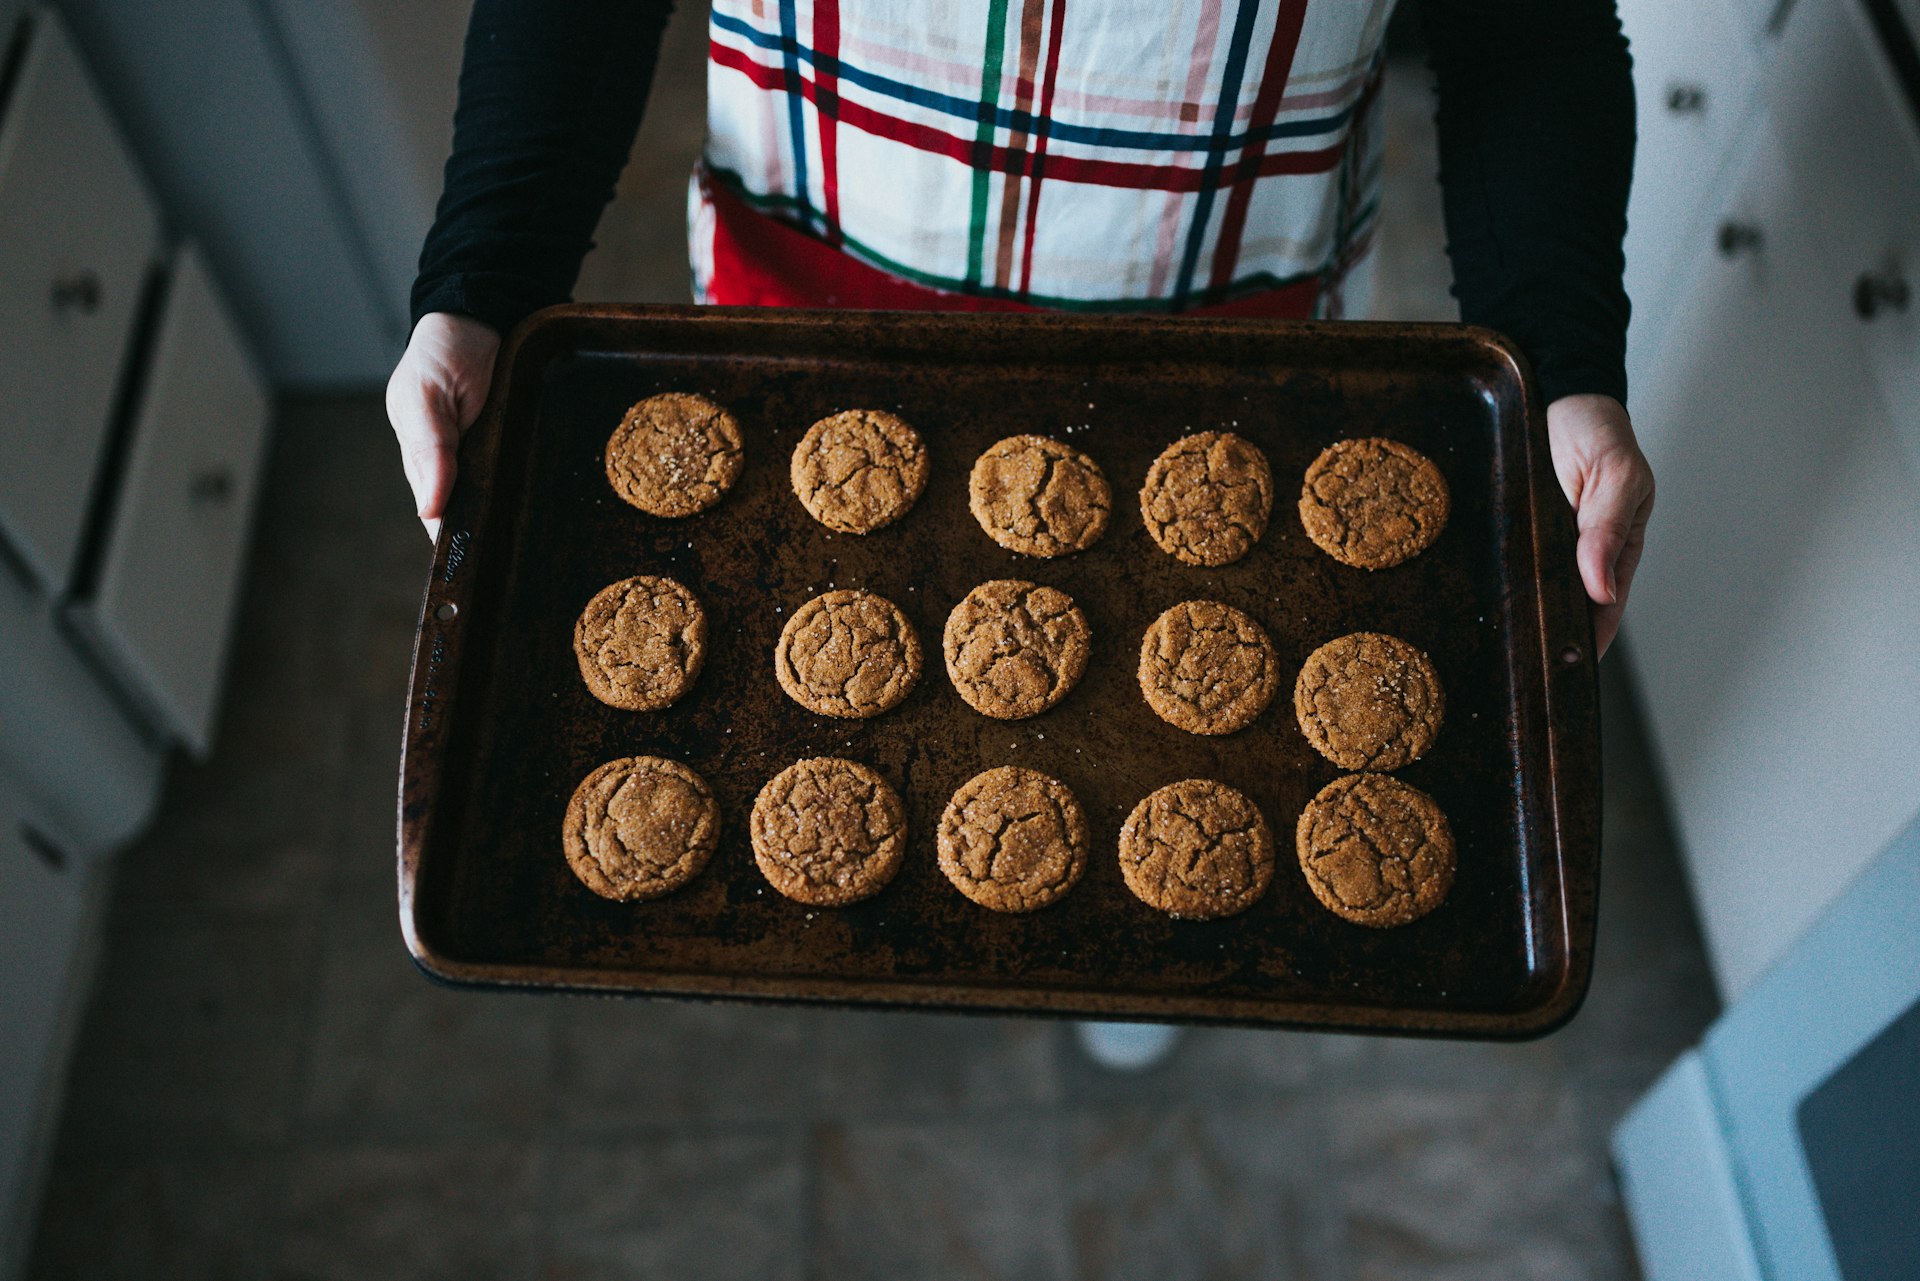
pixel 550 100
pixel 1536 155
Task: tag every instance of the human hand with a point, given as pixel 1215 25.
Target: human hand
pixel 435 393
pixel 1610 485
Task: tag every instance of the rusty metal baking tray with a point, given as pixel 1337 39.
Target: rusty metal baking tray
pixel 500 727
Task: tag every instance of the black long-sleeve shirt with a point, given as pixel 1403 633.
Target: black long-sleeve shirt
pixel 1535 127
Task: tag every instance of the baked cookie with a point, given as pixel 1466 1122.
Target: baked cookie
pixel 850 654
pixel 675 455
pixel 1039 497
pixel 828 831
pixel 1375 851
pixel 1207 668
pixel 1207 498
pixel 1369 701
pixel 1197 850
pixel 859 470
pixel 1014 648
pixel 641 642
pixel 640 827
pixel 1013 839
pixel 1373 503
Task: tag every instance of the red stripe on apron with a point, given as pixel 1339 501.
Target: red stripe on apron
pixel 1038 163
pixel 826 105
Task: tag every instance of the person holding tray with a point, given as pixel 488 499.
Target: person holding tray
pixel 1195 157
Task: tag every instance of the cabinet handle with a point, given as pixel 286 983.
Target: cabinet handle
pixel 1684 99
pixel 79 292
pixel 1737 238
pixel 1877 289
pixel 212 487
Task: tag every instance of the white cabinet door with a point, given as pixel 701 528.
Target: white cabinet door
pixel 77 234
pixel 1693 80
pixel 1850 133
pixel 1775 624
pixel 170 573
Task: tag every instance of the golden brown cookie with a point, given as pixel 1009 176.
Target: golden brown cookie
pixel 641 642
pixel 1375 851
pixel 1013 839
pixel 1014 648
pixel 1207 668
pixel 850 654
pixel 1373 503
pixel 1039 497
pixel 640 827
pixel 1369 701
pixel 675 455
pixel 1207 498
pixel 828 831
pixel 859 470
pixel 1197 850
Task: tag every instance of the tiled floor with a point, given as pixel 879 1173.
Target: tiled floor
pixel 265 1088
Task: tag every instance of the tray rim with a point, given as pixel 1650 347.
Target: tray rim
pixel 1569 689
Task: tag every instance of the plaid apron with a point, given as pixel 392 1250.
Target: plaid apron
pixel 1081 155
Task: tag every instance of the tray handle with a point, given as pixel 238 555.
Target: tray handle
pixel 447 604
pixel 1570 660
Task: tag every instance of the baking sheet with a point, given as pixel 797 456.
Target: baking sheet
pixel 500 727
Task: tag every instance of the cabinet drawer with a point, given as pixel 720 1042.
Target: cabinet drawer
pixel 162 607
pixel 1694 77
pixel 1849 131
pixel 77 235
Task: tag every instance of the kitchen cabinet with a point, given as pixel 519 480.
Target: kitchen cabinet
pixel 130 440
pixel 1724 416
pixel 162 606
pixel 132 425
pixel 1784 589
pixel 1694 81
pixel 1783 596
pixel 1774 634
pixel 1781 591
pixel 78 235
pixel 1840 119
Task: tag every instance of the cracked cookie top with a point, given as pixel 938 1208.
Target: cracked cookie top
pixel 640 827
pixel 1039 497
pixel 1207 668
pixel 1013 840
pixel 1373 503
pixel 1369 701
pixel 859 470
pixel 1197 849
pixel 1014 648
pixel 828 831
pixel 846 653
pixel 1375 851
pixel 675 454
pixel 1207 498
pixel 641 642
